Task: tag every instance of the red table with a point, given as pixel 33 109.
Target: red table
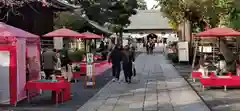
pixel 83 68
pixel 61 89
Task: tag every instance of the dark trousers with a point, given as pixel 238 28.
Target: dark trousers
pixel 116 69
pixel 48 73
pixel 147 49
pixel 151 50
pixel 127 69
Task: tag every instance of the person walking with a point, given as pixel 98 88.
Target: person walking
pixel 65 60
pixel 133 55
pixel 115 57
pixel 49 62
pixel 127 60
pixel 147 47
pixel 152 45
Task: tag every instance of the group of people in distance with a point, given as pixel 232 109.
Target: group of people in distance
pixel 150 45
pixel 122 58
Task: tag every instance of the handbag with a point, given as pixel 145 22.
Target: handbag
pixel 134 69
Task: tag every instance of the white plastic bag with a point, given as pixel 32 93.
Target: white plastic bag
pixel 42 75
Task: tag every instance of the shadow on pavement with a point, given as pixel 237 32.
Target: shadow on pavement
pixel 80 95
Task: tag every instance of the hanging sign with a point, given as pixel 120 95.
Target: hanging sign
pixel 89 70
pixel 89 58
pixel 58 43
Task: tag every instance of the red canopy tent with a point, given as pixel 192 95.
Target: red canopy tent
pixel 18 44
pixel 64 32
pixel 218 32
pixel 215 33
pixel 89 35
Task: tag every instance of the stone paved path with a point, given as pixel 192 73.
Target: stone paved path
pixel 157 87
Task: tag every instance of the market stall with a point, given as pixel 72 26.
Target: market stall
pixel 204 71
pixel 14 44
pixel 65 33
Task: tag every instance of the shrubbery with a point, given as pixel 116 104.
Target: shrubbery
pixel 76 55
pixel 173 57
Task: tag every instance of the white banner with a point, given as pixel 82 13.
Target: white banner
pixel 58 42
pixel 183 53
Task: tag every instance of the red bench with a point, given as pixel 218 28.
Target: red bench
pixel 196 75
pixel 225 81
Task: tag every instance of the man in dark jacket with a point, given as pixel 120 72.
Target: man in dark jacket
pixel 116 57
pixel 65 60
pixel 49 61
pixel 127 60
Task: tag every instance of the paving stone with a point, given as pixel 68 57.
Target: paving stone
pixel 150 97
pixel 122 108
pixel 106 108
pixel 111 101
pixel 166 107
pixel 136 105
pixel 159 89
pixel 150 105
pixel 163 98
pixel 189 107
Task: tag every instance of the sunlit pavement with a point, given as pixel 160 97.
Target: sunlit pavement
pixel 157 87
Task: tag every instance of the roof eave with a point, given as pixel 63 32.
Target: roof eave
pixel 148 29
pixel 64 5
pixel 97 26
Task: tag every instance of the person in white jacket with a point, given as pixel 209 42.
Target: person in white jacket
pixel 58 62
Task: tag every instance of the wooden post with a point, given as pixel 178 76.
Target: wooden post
pixel 194 56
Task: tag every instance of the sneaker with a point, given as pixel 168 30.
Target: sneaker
pixel 129 81
pixel 113 80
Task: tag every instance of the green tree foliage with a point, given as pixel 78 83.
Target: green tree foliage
pixel 114 12
pixel 173 24
pixel 235 15
pixel 69 20
pixel 200 12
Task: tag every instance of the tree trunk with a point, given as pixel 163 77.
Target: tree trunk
pixel 121 36
pixel 225 51
pixel 228 55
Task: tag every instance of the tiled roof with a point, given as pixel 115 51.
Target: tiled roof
pixel 148 19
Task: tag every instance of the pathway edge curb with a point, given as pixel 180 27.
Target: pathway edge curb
pixel 95 96
pixel 192 87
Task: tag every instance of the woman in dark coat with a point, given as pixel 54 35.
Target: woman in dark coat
pixel 127 60
pixel 116 57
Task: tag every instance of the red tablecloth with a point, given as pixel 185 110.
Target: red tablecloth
pixel 54 86
pixel 99 67
pixel 196 74
pixel 60 87
pixel 76 75
pixel 66 92
pixel 217 81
